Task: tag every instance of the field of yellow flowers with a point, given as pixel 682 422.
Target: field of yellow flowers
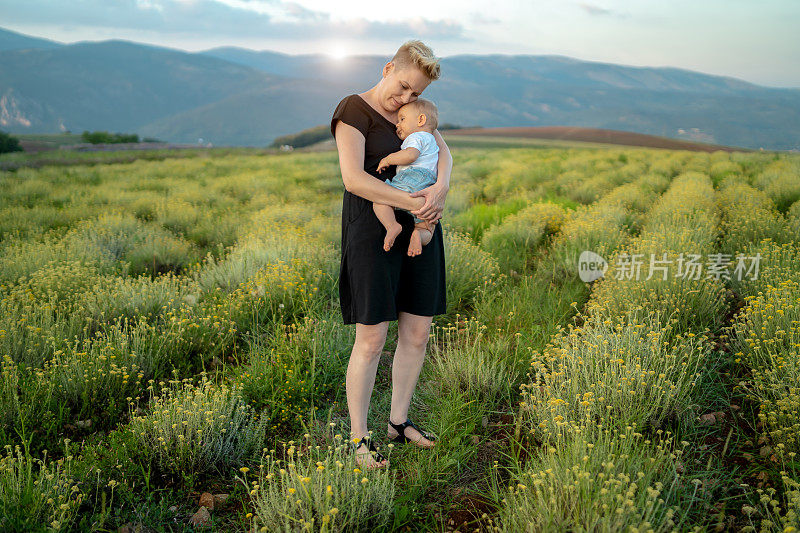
pixel 173 355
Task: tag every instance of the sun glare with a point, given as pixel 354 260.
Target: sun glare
pixel 337 52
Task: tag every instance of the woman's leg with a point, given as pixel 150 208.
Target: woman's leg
pixel 412 340
pixel 360 380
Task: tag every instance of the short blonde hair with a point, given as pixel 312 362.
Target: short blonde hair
pixel 421 56
pixel 427 108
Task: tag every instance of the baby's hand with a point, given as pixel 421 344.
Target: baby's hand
pixel 383 164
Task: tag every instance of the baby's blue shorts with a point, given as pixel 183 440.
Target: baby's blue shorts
pixel 412 179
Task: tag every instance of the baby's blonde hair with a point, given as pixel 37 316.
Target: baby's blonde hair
pixel 416 53
pixel 427 108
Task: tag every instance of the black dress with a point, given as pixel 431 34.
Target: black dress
pixel 375 285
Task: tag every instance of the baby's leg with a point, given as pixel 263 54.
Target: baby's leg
pixel 415 243
pixel 385 214
pixel 419 238
pixel 425 231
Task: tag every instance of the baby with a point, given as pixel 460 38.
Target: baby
pixel 416 169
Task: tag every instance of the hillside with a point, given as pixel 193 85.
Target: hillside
pixel 248 98
pixel 111 85
pixel 11 40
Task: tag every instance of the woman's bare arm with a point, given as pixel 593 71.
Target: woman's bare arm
pixel 350 143
pixel 445 164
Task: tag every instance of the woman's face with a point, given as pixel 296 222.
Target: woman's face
pixel 401 86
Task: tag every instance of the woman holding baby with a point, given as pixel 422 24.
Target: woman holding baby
pixel 379 283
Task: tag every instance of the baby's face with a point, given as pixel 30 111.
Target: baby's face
pixel 407 121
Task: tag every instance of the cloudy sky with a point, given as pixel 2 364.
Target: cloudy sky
pixel 755 41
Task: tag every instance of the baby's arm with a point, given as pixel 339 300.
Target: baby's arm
pixel 401 157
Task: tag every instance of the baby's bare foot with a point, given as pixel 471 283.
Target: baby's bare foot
pixel 425 237
pixel 415 244
pixel 391 235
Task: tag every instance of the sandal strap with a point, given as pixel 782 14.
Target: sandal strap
pixel 371 446
pixel 401 429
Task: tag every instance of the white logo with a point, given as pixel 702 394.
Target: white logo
pixel 591 266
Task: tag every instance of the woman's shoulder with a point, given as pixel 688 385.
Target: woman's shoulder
pixel 351 110
pixel 350 99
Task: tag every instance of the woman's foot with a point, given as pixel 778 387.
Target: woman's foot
pixel 415 244
pixel 391 235
pixel 366 459
pixel 412 434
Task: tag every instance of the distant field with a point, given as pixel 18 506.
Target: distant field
pixel 56 157
pixel 489 142
pixel 44 149
pixel 44 141
pixel 555 137
pixel 588 135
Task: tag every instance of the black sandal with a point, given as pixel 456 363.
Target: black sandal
pixel 378 456
pixel 401 432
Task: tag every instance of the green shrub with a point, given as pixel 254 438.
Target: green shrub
pixel 320 490
pixel 793 218
pixel 767 338
pixel 589 190
pixel 196 429
pixel 304 138
pixel 684 221
pixel 9 393
pixel 777 264
pixel 22 258
pixel 104 137
pixel 477 218
pixel 95 373
pixel 301 366
pixel 615 480
pixel 31 330
pixel 9 143
pixel 599 228
pixel 141 296
pixel 469 270
pixel 471 362
pixel 748 216
pixel 146 248
pixel 37 492
pixel 314 261
pixel 514 240
pixel 625 286
pixel 722 169
pixel 625 370
pixel 780 182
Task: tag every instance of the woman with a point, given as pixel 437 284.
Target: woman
pixel 377 286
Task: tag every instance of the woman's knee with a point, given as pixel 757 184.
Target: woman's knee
pixel 414 330
pixel 370 340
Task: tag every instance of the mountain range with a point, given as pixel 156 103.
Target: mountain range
pixel 241 97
